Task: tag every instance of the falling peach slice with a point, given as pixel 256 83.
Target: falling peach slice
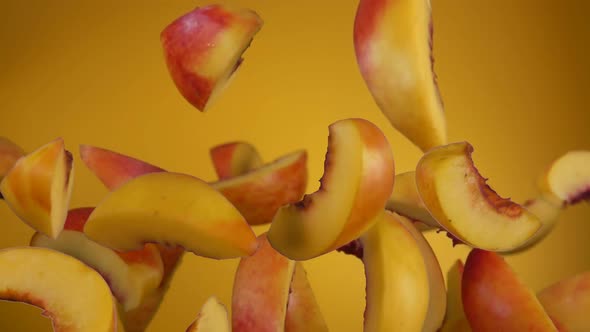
pixel 405 200
pixel 455 320
pixel 567 302
pixel 9 154
pixel 567 179
pixel 234 158
pixel 212 318
pixel 458 197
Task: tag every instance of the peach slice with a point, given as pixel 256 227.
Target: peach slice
pixel 171 208
pixel 567 302
pixel 74 296
pixel 455 320
pixel 458 197
pixel 358 179
pixel 130 275
pixel 393 45
pixel 271 293
pixel 258 194
pixel 212 318
pixel 234 158
pixel 203 49
pixel 494 299
pixel 112 168
pixel 567 179
pixel 405 200
pixel 39 186
pixel 9 154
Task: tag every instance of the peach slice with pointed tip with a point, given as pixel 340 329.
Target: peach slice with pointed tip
pixel 393 46
pixel 567 302
pixel 405 200
pixel 358 179
pixel 495 299
pixel 457 196
pixel 303 311
pixel 211 318
pixel 9 154
pixel 455 320
pixel 171 208
pixel 567 179
pixel 74 296
pixel 234 158
pixel 39 186
pixel 204 47
pixel 130 275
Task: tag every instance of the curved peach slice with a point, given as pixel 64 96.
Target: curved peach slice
pixel 567 302
pixel 212 318
pixel 271 293
pixel 39 186
pixel 234 158
pixel 437 302
pixel 73 295
pixel 171 208
pixel 112 168
pixel 458 197
pixel 393 45
pixel 260 193
pixel 357 181
pixel 455 320
pixel 494 299
pixel 203 49
pixel 130 275
pixel 9 154
pixel 567 179
pixel 405 200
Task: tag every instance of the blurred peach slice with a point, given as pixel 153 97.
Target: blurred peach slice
pixel 357 182
pixel 405 201
pixel 393 46
pixel 171 208
pixel 74 296
pixel 234 158
pixel 568 302
pixel 457 196
pixel 455 320
pixel 39 186
pixel 495 299
pixel 9 154
pixel 211 318
pixel 567 179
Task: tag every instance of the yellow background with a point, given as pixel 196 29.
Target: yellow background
pixel 514 76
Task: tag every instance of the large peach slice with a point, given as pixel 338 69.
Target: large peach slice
pixel 211 318
pixel 567 179
pixel 567 302
pixel 393 45
pixel 455 320
pixel 203 48
pixel 271 293
pixel 458 197
pixel 130 275
pixel 9 154
pixel 171 208
pixel 39 186
pixel 495 299
pixel 74 296
pixel 357 182
pixel 405 200
pixel 234 158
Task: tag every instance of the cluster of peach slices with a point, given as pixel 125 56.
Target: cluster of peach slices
pixel 119 257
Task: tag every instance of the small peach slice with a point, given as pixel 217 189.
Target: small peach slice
pixel 130 275
pixel 405 200
pixel 260 193
pixel 212 318
pixel 112 168
pixel 204 47
pixel 234 158
pixel 494 299
pixel 171 208
pixel 9 154
pixel 455 320
pixel 271 293
pixel 358 179
pixel 39 186
pixel 458 197
pixel 567 179
pixel 437 303
pixel 567 303
pixel 393 46
pixel 74 296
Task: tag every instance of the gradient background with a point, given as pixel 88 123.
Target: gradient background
pixel 514 76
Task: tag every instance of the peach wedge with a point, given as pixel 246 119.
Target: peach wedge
pixel 567 302
pixel 204 47
pixel 39 186
pixel 494 299
pixel 567 179
pixel 171 208
pixel 212 318
pixel 455 320
pixel 234 158
pixel 74 296
pixel 357 182
pixel 405 200
pixel 9 154
pixel 458 197
pixel 393 45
